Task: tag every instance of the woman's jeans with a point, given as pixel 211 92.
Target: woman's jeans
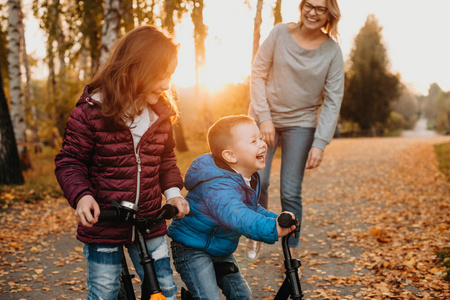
pixel 197 272
pixel 295 145
pixel 104 267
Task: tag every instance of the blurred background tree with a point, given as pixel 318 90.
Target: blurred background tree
pixel 430 108
pixel 407 108
pixel 370 87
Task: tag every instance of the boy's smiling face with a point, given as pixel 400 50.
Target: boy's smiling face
pixel 247 153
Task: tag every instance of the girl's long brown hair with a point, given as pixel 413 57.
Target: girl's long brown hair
pixel 138 60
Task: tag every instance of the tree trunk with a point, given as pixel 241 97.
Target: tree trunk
pixel 10 172
pixel 60 39
pixel 257 28
pixel 169 24
pixel 16 97
pixel 277 13
pixel 199 38
pixel 200 32
pixel 111 26
pixel 90 18
pixel 180 140
pixel 127 15
pixel 84 54
pixel 169 8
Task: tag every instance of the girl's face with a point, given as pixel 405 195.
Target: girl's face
pixel 314 14
pixel 161 84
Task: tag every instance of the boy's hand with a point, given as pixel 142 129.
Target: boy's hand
pixel 83 211
pixel 285 231
pixel 181 204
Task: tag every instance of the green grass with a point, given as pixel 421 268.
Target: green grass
pixel 443 257
pixel 443 157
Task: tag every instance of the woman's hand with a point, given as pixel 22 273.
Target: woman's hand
pixel 181 204
pixel 84 209
pixel 285 231
pixel 315 157
pixel 268 132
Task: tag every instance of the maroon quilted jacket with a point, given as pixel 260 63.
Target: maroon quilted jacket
pixel 100 161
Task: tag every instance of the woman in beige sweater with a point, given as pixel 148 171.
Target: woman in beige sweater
pixel 297 85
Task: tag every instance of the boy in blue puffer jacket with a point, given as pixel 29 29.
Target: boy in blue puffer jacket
pixel 223 192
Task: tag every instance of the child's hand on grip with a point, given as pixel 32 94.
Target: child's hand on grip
pixel 285 231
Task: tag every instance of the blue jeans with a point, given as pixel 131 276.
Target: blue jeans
pixel 104 266
pixel 295 145
pixel 197 272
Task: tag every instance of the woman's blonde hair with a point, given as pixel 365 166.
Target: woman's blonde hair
pixel 331 26
pixel 138 61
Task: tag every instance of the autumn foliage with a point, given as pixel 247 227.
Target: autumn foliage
pixel 375 226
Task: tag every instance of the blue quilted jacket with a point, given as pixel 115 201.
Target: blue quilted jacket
pixel 223 208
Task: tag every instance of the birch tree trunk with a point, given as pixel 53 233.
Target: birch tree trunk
pixel 277 13
pixel 28 92
pixel 60 39
pixel 15 86
pixel 257 28
pixel 30 108
pixel 111 26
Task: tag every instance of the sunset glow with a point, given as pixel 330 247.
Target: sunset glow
pixel 414 34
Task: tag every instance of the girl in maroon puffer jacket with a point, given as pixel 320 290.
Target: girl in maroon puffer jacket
pixel 118 145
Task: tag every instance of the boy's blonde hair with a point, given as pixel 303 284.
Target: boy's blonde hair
pixel 220 134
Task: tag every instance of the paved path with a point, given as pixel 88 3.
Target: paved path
pixel 420 130
pixel 366 231
pixel 344 200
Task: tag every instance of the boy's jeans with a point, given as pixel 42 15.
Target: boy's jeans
pixel 104 266
pixel 295 145
pixel 197 272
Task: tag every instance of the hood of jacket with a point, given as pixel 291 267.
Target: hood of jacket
pixel 223 208
pixel 208 168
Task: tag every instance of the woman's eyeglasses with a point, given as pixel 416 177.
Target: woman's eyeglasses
pixel 320 10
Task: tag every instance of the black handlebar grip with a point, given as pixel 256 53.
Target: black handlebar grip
pixel 285 220
pixel 168 212
pixel 108 215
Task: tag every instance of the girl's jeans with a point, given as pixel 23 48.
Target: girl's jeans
pixel 197 272
pixel 295 145
pixel 104 266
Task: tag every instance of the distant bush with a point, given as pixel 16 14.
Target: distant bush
pixel 443 257
pixel 396 121
pixel 443 157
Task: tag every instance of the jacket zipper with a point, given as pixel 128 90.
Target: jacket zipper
pixel 138 186
pixel 139 169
